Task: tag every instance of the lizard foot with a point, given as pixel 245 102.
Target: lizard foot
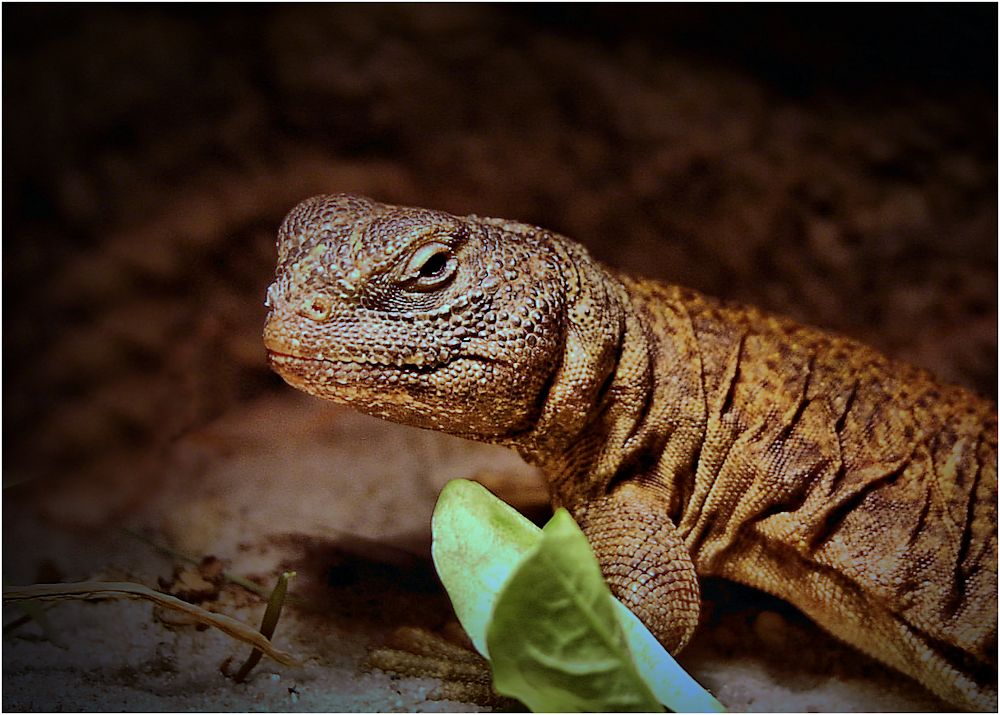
pixel 464 674
pixel 645 562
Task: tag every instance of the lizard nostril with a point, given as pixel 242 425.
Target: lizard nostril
pixel 270 300
pixel 316 308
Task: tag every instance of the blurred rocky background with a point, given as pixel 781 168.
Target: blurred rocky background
pixel 834 163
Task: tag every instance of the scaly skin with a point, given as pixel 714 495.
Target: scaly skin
pixel 687 436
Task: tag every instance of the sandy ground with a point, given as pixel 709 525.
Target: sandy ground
pixel 345 501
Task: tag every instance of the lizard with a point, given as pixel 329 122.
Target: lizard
pixel 687 435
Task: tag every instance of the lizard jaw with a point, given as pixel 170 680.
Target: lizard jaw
pixel 337 380
pixel 404 394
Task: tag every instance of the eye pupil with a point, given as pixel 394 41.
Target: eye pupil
pixel 434 265
pixel 429 267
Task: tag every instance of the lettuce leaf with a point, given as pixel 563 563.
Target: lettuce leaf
pixel 534 603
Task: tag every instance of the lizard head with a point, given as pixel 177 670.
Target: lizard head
pixel 416 316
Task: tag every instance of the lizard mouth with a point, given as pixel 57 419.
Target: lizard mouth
pixel 279 359
pixel 416 364
pixel 279 356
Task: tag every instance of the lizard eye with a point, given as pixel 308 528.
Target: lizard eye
pixel 431 266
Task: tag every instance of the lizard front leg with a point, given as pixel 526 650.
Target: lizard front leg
pixel 645 561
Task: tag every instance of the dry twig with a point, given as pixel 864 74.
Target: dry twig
pixel 102 589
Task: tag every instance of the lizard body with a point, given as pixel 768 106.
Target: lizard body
pixel 688 436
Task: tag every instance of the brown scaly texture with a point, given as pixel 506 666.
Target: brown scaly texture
pixel 688 436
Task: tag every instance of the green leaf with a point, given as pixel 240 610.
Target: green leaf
pixel 670 683
pixel 481 545
pixel 478 542
pixel 554 641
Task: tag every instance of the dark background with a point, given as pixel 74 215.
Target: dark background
pixel 837 163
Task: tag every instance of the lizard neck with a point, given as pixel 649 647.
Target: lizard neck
pixel 628 400
pixel 594 425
